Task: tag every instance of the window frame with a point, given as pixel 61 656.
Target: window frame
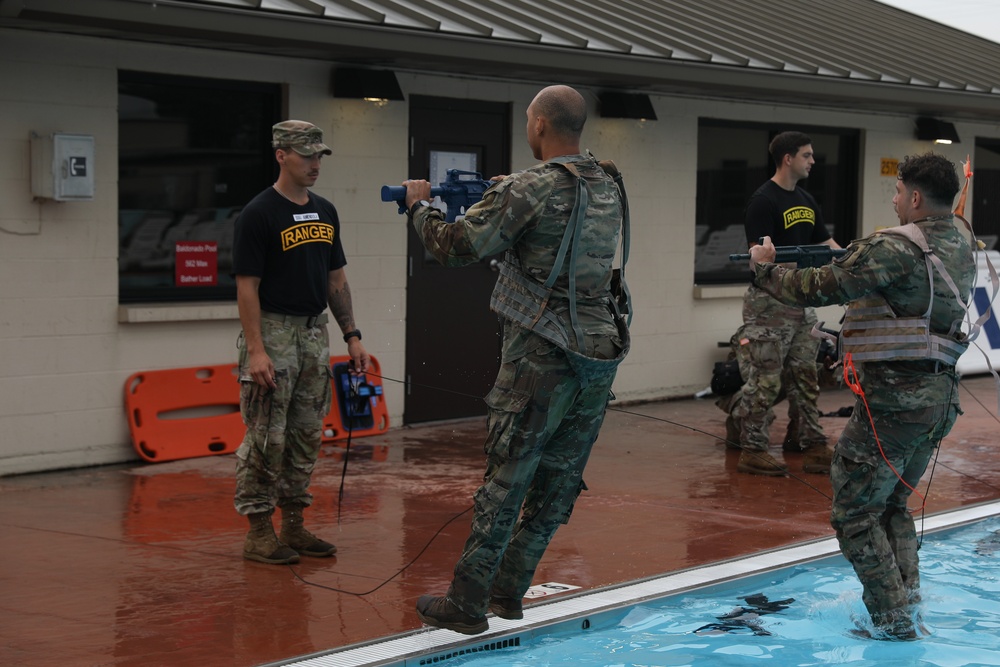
pixel 198 108
pixel 842 213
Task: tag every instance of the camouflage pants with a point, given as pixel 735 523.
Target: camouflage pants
pixel 728 403
pixel 542 425
pixel 874 527
pixel 275 461
pixel 780 346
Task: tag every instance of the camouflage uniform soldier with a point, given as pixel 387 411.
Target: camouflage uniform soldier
pixel 563 339
pixel 289 265
pixel 739 347
pixel 905 344
pixel 779 341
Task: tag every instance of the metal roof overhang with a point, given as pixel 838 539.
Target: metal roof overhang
pixel 294 35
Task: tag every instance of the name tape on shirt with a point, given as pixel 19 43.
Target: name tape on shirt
pixel 303 217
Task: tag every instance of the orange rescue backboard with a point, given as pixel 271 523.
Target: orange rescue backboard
pixel 180 413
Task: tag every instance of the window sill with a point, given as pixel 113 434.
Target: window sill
pixel 719 291
pixel 136 313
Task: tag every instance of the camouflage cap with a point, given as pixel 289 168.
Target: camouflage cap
pixel 304 138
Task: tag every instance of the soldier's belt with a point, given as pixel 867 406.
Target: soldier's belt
pixel 296 320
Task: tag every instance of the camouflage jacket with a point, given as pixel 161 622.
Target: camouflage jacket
pixel 526 214
pixel 894 268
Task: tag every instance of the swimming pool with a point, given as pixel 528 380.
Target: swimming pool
pixel 801 613
pixel 797 616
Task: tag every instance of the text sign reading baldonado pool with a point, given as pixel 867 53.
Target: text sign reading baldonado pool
pixel 197 264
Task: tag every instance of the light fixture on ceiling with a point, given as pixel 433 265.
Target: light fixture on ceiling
pixel 378 86
pixel 938 131
pixel 625 105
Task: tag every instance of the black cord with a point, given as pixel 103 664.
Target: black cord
pixel 716 437
pixel 968 391
pixel 937 453
pixel 398 572
pixel 466 510
pixel 947 467
pixel 347 451
pixel 343 474
pixel 352 397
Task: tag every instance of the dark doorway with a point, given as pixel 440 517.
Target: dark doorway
pixel 452 337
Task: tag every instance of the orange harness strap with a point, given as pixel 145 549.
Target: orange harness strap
pixel 852 381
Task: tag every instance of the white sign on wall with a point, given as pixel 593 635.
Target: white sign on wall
pixel 987 344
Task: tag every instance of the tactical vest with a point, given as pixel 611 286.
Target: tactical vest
pixel 873 332
pixel 521 299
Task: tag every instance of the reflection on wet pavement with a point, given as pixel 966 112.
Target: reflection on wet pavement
pixel 141 564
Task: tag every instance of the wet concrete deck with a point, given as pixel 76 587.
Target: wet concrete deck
pixel 141 564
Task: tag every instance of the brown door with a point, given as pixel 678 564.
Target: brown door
pixel 452 337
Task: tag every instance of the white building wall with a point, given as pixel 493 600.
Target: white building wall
pixel 64 353
pixel 66 347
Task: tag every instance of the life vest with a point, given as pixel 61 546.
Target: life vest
pixel 873 332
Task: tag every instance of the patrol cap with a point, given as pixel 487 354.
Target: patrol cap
pixel 304 138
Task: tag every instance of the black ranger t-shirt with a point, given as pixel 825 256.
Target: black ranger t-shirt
pixel 789 218
pixel 291 248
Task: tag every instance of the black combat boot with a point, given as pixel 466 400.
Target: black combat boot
pixel 441 612
pixel 505 607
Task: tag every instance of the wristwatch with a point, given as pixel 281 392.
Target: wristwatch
pixel 416 205
pixel 355 333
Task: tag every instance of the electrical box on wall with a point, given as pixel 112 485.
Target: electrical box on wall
pixel 62 167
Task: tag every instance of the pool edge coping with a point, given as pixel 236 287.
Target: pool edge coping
pixel 431 645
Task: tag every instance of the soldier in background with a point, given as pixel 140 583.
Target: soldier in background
pixel 563 338
pixel 778 339
pixel 907 386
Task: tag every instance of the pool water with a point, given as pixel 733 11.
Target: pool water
pixel 808 614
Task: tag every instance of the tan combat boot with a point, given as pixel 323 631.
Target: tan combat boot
pixel 263 546
pixel 816 458
pixel 295 535
pixel 760 463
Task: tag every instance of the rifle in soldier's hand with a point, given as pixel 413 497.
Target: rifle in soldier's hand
pixel 803 255
pixel 460 190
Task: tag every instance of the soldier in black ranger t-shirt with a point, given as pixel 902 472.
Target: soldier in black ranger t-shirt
pixel 775 341
pixel 793 216
pixel 289 265
pixel 292 248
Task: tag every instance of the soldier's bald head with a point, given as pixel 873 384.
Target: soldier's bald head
pixel 564 108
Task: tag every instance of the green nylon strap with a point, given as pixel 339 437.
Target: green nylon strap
pixel 625 242
pixel 571 239
pixel 576 221
pixel 611 169
pixel 571 242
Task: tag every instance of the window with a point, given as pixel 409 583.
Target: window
pixel 733 162
pixel 983 206
pixel 191 153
